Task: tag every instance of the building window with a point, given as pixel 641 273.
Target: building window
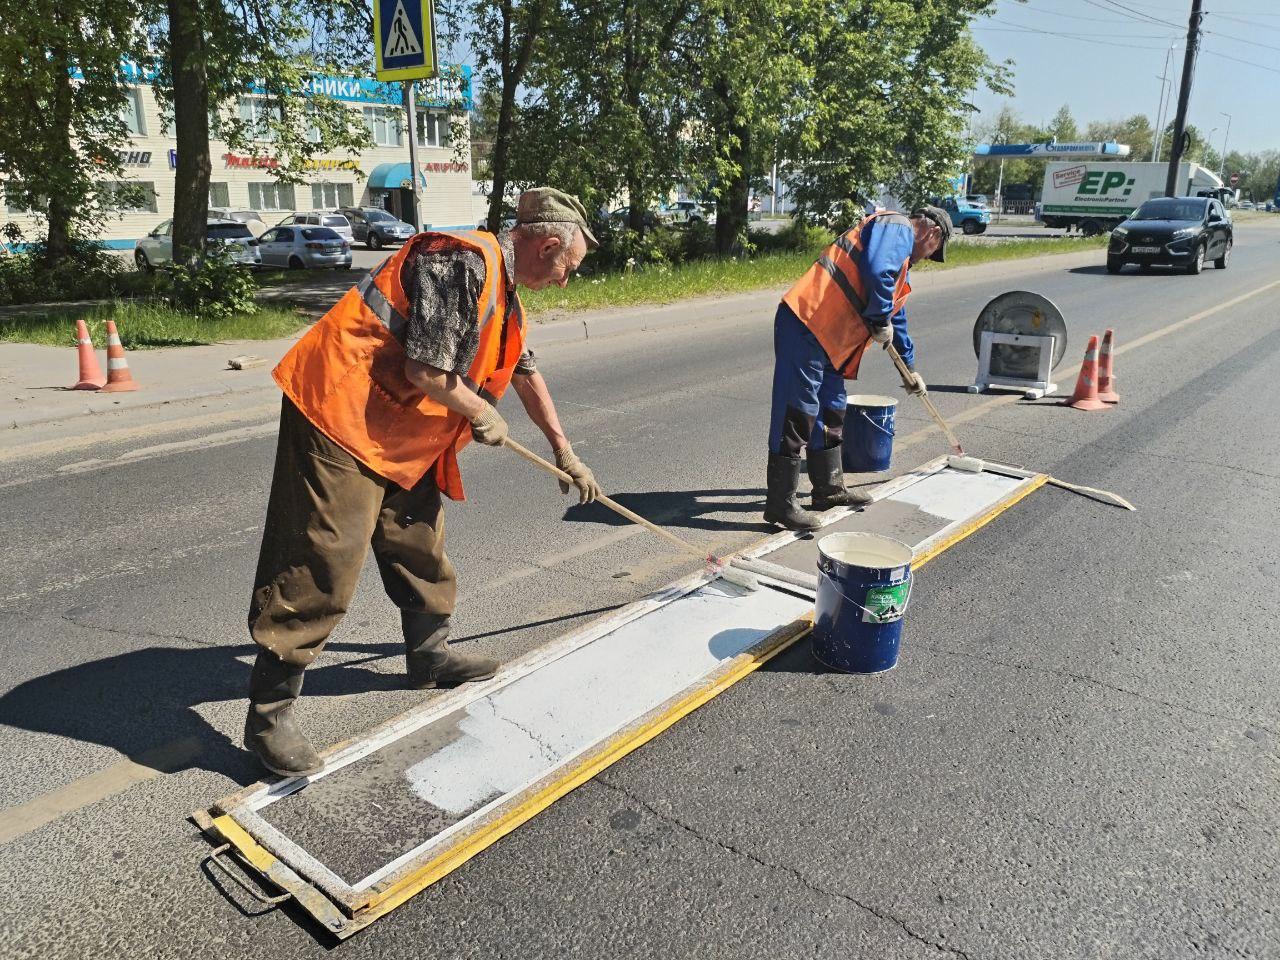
pixel 129 196
pixel 131 113
pixel 258 115
pixel 18 200
pixel 433 129
pixel 384 126
pixel 271 196
pixel 313 131
pixel 330 196
pixel 219 195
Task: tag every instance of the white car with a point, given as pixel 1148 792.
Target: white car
pixel 156 248
pixel 321 218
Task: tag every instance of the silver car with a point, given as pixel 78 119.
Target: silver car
pixel 156 248
pixel 334 221
pixel 298 246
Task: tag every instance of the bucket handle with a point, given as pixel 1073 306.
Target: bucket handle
pixel 888 433
pixel 875 617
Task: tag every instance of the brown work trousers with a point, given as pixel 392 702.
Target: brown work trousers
pixel 326 509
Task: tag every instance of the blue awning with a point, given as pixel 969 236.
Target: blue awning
pixel 393 176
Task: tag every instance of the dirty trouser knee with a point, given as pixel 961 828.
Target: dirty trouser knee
pixel 408 543
pixel 323 508
pixel 803 381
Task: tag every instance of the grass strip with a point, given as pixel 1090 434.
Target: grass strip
pixel 663 284
pixel 145 325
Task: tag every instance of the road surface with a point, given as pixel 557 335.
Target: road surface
pixel 1076 758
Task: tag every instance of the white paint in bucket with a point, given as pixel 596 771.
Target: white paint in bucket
pixel 871 400
pixel 867 550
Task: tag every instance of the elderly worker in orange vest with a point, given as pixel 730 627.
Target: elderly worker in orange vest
pixel 854 294
pixel 379 398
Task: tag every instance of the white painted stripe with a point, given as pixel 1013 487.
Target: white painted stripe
pixel 238 435
pixel 117 363
pixel 113 340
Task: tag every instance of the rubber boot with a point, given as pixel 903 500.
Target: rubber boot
pixel 270 730
pixel 826 473
pixel 430 661
pixel 780 505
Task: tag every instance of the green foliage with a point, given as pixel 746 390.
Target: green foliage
pixel 84 272
pixel 212 286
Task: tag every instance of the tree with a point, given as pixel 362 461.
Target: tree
pixel 1063 126
pixel 1136 131
pixel 888 103
pixel 63 103
pixel 213 52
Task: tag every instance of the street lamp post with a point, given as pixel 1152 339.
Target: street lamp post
pixel 1222 165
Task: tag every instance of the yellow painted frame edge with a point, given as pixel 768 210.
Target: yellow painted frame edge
pixel 615 749
pixel 407 73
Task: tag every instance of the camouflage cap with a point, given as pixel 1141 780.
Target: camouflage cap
pixel 943 220
pixel 549 205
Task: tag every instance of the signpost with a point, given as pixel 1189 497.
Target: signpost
pixel 404 44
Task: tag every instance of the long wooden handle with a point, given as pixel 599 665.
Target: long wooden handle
pixel 607 501
pixel 908 379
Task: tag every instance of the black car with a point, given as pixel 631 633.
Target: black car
pixel 1173 231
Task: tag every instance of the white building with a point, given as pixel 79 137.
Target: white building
pixel 379 176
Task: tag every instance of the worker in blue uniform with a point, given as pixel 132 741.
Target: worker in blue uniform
pixel 853 295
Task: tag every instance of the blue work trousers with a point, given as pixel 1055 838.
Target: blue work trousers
pixel 808 392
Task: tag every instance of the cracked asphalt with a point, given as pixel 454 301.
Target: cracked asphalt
pixel 1078 756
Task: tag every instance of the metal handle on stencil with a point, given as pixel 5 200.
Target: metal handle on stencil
pixel 867 416
pixel 911 583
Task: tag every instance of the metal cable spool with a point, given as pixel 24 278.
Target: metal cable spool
pixel 1022 313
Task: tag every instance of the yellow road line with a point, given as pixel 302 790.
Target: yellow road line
pixel 107 782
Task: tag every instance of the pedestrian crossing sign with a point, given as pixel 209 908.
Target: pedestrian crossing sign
pixel 404 39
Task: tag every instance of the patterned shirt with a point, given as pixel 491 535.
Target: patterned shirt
pixel 444 308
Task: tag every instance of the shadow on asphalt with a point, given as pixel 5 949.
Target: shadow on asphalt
pixel 689 508
pixel 136 701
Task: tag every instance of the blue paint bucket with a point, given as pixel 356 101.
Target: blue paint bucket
pixel 864 583
pixel 868 433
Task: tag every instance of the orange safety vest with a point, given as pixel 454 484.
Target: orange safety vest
pixel 347 374
pixel 831 298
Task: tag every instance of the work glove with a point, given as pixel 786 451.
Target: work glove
pixel 882 334
pixel 488 427
pixel 915 385
pixel 583 478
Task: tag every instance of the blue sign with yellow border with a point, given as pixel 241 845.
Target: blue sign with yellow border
pixel 404 39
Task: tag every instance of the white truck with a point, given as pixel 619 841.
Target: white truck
pixel 1096 195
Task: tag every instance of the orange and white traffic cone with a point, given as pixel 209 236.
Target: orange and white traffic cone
pixel 91 377
pixel 119 379
pixel 1086 395
pixel 1106 380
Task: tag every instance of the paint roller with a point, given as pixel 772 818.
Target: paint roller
pixel 715 565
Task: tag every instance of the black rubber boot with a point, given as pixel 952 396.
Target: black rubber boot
pixel 270 730
pixel 431 663
pixel 780 505
pixel 827 476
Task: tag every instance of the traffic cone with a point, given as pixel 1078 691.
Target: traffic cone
pixel 1106 381
pixel 1086 395
pixel 91 377
pixel 118 377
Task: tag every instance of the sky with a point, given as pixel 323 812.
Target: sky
pixel 1104 59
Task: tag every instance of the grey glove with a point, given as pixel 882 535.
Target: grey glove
pixel 488 427
pixel 916 386
pixel 882 334
pixel 583 478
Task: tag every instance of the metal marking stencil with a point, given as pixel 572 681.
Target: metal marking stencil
pixel 402 805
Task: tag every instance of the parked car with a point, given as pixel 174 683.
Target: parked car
pixel 250 218
pixel 1173 231
pixel 156 248
pixel 376 228
pixel 969 217
pixel 298 246
pixel 1247 205
pixel 622 216
pixel 320 218
pixel 685 211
